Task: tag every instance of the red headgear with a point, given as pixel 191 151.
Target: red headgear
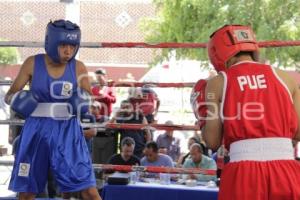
pixel 229 40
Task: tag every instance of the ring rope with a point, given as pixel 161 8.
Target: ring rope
pixel 128 168
pixel 30 44
pixel 150 84
pixel 131 84
pixel 101 126
pixel 154 169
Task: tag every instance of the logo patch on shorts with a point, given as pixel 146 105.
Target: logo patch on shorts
pixel 24 169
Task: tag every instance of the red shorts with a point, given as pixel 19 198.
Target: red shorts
pixel 266 180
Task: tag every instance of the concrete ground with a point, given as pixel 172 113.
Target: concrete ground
pixel 5 172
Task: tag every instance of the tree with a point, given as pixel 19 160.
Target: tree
pixel 195 20
pixel 8 55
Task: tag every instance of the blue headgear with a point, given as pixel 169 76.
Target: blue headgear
pixel 61 32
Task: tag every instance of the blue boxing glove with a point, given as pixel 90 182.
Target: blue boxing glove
pixel 80 102
pixel 23 103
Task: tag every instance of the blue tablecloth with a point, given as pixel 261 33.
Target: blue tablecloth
pixel 153 191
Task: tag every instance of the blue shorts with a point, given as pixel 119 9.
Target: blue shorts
pixel 56 145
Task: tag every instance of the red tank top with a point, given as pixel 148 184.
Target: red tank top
pixel 148 103
pixel 256 103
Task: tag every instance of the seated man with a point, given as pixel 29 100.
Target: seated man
pixel 183 157
pixel 126 156
pixel 168 144
pixel 153 158
pixel 198 160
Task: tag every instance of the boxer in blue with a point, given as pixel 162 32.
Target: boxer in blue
pixel 52 138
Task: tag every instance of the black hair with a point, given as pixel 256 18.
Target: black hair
pixel 100 72
pixel 195 140
pixel 152 145
pixel 198 146
pixel 125 101
pixel 127 141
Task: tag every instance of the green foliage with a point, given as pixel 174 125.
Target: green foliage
pixel 195 20
pixel 8 55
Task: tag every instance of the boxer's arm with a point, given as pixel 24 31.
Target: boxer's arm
pixel 22 78
pixel 295 92
pixel 296 98
pixel 82 77
pixel 212 131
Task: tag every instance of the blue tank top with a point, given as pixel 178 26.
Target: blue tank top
pixel 48 89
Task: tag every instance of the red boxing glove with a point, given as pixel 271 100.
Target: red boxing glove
pixel 198 102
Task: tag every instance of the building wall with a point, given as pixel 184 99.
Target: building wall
pixel 98 25
pixel 27 20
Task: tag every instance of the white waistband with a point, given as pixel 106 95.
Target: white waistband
pixel 262 149
pixel 53 110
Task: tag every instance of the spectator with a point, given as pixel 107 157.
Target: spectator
pixel 103 94
pixel 126 156
pixel 198 160
pixel 127 115
pixel 168 144
pixel 96 111
pixel 146 100
pixel 154 158
pixel 181 160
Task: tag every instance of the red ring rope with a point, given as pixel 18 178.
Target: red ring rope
pixel 153 169
pixel 265 44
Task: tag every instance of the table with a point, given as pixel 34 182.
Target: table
pixel 156 191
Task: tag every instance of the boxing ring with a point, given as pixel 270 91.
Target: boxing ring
pixel 150 191
pixel 145 190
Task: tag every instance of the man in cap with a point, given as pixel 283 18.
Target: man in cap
pixel 103 94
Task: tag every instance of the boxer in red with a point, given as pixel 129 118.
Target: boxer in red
pixel 254 109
